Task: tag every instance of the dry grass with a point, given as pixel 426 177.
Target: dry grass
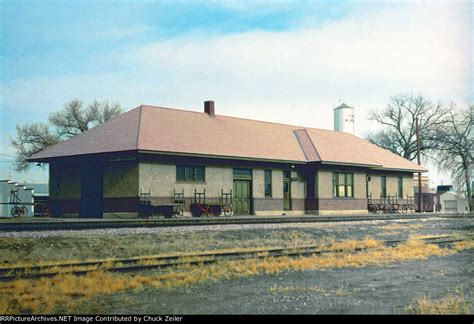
pixel 75 264
pixel 47 294
pixel 109 262
pixel 464 245
pixel 451 304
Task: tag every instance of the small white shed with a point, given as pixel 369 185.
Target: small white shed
pixel 24 194
pixel 451 202
pixel 4 197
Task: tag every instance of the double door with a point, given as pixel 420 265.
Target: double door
pixel 242 197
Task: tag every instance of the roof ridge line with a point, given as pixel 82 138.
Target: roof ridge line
pixel 241 118
pixel 312 143
pixel 139 126
pixel 352 150
pixel 297 132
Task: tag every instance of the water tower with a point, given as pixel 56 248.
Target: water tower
pixel 344 119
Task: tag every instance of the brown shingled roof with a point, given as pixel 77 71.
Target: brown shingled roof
pixel 117 134
pixel 180 131
pixel 345 148
pixel 156 129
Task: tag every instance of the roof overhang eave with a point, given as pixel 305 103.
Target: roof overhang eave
pixel 39 160
pixel 373 166
pixel 402 169
pixel 47 159
pixel 350 164
pixel 213 156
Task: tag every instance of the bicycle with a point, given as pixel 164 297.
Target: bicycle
pixel 19 211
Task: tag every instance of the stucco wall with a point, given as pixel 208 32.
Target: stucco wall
pixel 277 180
pixel 258 178
pixel 297 187
pixel 375 184
pixel 360 185
pixel 270 206
pixel 277 183
pixel 408 187
pixel 324 184
pixel 121 179
pixel 161 180
pixel 327 204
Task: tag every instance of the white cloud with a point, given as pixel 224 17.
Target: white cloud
pixel 419 48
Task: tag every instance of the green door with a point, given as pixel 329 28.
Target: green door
pixel 286 195
pixel 241 197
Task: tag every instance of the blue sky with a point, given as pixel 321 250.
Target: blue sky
pixel 281 61
pixel 70 37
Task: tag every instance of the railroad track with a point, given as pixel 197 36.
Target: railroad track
pixel 159 262
pixel 52 224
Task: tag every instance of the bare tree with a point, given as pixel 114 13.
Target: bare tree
pixel 75 119
pixel 72 120
pixel 399 125
pixel 455 152
pixel 31 139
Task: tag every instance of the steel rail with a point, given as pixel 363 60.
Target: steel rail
pixel 159 262
pixel 52 224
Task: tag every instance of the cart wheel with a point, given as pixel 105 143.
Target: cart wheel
pixel 374 209
pixel 179 211
pixel 216 210
pixel 227 210
pixel 45 212
pixel 195 210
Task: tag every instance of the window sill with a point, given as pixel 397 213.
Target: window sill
pixel 190 182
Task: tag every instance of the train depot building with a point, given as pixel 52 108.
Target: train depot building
pixel 270 169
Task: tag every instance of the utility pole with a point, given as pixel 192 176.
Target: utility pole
pixel 418 147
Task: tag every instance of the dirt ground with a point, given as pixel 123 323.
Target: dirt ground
pixel 388 289
pixel 369 290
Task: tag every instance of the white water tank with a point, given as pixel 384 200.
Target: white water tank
pixel 344 119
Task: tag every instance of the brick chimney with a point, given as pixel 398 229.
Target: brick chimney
pixel 209 108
